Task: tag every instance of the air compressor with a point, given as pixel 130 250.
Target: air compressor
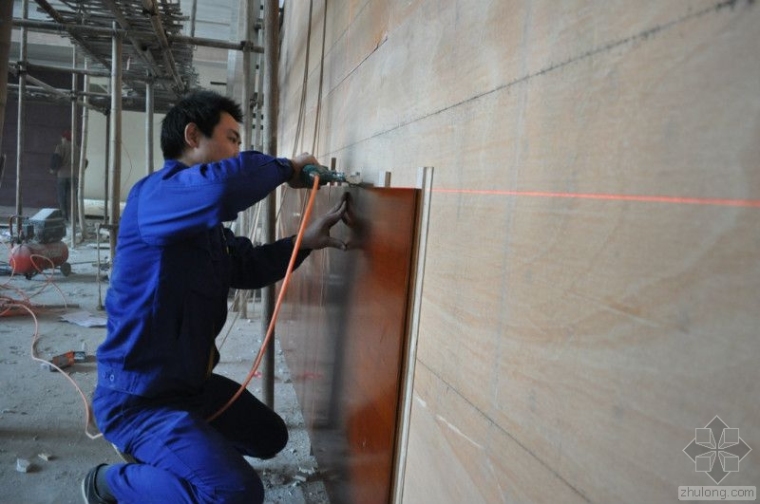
pixel 38 246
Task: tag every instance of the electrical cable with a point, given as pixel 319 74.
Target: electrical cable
pixel 33 353
pixel 278 304
pixel 306 213
pixel 10 307
pixel 48 281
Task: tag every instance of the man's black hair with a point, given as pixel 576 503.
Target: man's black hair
pixel 203 108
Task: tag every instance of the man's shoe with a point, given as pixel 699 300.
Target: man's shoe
pixel 89 492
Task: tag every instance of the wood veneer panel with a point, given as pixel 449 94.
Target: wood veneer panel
pixel 343 328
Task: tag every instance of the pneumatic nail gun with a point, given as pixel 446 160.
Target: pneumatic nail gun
pixel 326 176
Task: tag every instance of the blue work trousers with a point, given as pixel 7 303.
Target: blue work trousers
pixel 184 458
pixel 63 192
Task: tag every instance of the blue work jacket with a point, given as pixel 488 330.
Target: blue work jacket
pixel 173 268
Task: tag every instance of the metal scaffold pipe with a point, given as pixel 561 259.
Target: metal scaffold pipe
pixel 47 26
pixel 73 165
pixel 115 168
pixel 149 125
pixel 21 122
pixel 271 52
pixel 6 13
pixel 83 150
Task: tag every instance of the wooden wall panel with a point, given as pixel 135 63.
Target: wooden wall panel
pixel 343 330
pixel 593 269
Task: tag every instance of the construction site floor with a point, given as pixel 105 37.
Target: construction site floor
pixel 44 448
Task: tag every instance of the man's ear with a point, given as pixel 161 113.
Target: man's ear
pixel 192 135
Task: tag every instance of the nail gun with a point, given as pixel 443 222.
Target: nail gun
pixel 326 175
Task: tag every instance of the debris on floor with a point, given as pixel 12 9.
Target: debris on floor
pixel 41 413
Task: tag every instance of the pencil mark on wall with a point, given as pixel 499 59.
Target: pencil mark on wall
pixel 491 422
pixel 456 430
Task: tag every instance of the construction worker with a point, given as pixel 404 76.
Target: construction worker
pixel 174 265
pixel 67 175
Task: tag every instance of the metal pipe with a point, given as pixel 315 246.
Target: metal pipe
pixel 152 10
pixel 107 166
pixel 218 44
pixel 193 11
pixel 6 14
pixel 47 26
pixel 115 167
pixel 21 120
pixel 44 5
pixel 259 92
pixel 83 150
pixel 72 211
pixel 59 93
pixel 79 71
pixel 246 101
pixel 271 45
pixel 66 94
pixel 149 126
pixel 246 92
pixel 139 46
pixel 61 27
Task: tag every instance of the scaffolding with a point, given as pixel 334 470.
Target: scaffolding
pixel 138 46
pixel 156 58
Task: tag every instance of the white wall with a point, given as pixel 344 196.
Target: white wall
pixel 133 164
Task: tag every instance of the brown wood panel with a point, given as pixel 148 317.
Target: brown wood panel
pixel 343 328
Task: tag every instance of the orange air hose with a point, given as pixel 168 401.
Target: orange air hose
pixel 278 304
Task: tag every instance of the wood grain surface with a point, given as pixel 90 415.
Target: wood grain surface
pixel 343 329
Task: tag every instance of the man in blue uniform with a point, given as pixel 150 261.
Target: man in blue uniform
pixel 174 265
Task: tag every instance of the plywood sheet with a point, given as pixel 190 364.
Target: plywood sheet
pixel 343 331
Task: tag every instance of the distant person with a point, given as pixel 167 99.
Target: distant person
pixel 67 175
pixel 175 262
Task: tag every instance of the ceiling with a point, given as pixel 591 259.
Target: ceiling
pixel 176 45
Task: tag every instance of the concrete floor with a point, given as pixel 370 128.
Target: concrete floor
pixel 42 415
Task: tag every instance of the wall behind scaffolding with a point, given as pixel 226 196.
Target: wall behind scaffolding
pixel 592 276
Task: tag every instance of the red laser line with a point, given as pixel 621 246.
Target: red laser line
pixel 611 197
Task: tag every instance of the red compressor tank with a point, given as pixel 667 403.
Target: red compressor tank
pixel 31 258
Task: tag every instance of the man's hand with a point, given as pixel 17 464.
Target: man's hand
pixel 298 163
pixel 317 235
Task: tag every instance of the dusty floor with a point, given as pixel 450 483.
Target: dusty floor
pixel 42 416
